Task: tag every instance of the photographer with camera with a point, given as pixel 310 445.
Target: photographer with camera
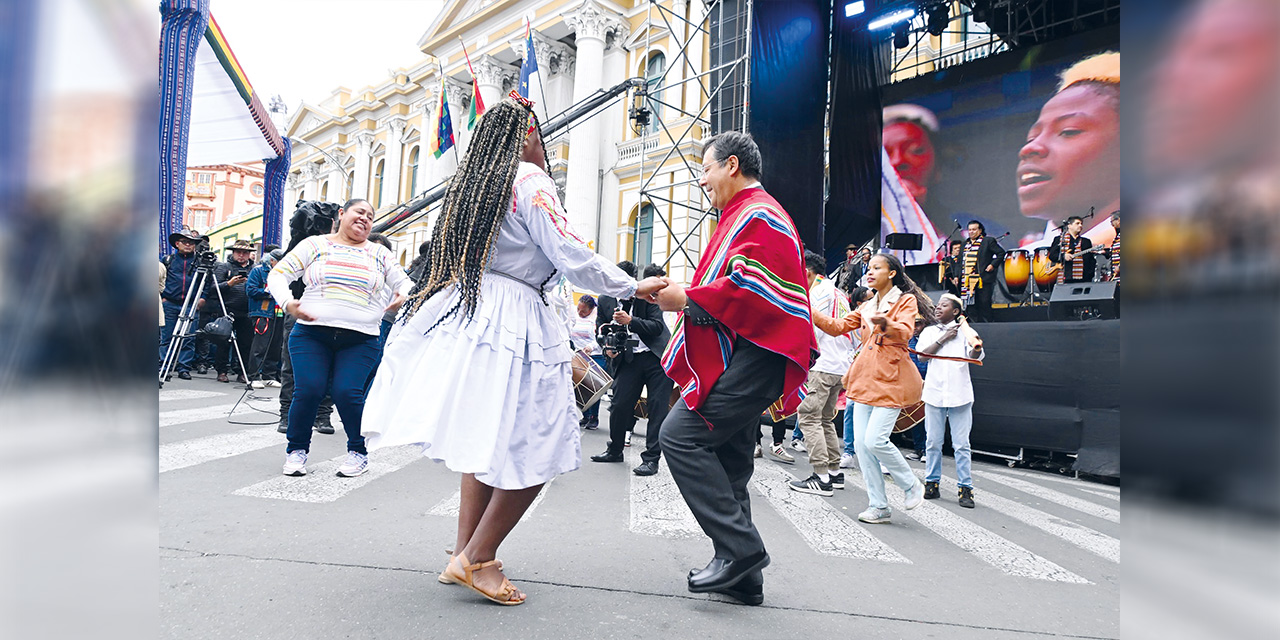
pixel 634 341
pixel 180 271
pixel 231 277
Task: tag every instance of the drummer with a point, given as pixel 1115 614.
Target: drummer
pixel 636 370
pixel 582 333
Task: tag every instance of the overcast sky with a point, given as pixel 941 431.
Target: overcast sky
pixel 303 49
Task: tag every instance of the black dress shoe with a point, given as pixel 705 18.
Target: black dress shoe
pixel 607 457
pixel 729 574
pixel 646 469
pixel 748 594
pixel 716 564
pixel 184 375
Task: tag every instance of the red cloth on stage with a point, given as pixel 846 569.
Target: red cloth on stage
pixel 751 279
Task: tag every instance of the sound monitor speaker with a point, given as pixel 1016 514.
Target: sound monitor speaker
pixel 1084 301
pixel 904 241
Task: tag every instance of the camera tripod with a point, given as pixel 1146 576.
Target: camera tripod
pixel 187 317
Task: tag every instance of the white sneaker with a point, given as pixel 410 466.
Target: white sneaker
pixel 780 454
pixel 875 516
pixel 883 469
pixel 257 384
pixel 759 453
pixel 913 497
pixel 798 445
pixel 924 460
pixel 295 464
pixel 273 383
pixel 846 461
pixel 626 441
pixel 354 465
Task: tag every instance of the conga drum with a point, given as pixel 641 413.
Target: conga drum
pixel 1044 269
pixel 1017 270
pixel 590 381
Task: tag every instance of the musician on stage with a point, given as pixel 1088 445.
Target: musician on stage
pixel 952 266
pixel 948 394
pixel 979 262
pixel 1113 253
pixel 1067 249
pixel 743 340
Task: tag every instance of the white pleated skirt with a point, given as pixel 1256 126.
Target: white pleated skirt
pixel 492 395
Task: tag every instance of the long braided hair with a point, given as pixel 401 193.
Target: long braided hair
pixel 478 200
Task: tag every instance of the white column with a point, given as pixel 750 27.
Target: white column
pixel 591 23
pixel 337 177
pixel 490 72
pixel 426 161
pixel 364 145
pixel 459 90
pixel 391 172
pixel 552 56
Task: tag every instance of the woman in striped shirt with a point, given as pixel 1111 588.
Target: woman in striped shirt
pixel 336 336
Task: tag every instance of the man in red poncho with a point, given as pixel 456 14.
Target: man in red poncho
pixel 742 341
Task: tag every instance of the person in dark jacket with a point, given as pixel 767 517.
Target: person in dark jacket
pixel 264 355
pixel 231 277
pixel 641 369
pixel 180 271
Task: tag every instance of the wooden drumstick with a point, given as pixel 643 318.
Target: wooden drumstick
pixel 970 336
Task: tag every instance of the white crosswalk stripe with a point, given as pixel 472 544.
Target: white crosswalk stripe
pixel 200 414
pixel 1040 476
pixel 187 394
pixel 824 528
pixel 449 506
pixel 985 545
pixel 321 484
pixel 657 508
pixel 1103 494
pixel 1080 536
pixel 1072 502
pixel 188 453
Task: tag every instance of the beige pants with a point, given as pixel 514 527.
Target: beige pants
pixel 815 420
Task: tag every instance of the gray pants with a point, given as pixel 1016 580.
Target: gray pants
pixel 286 379
pixel 710 452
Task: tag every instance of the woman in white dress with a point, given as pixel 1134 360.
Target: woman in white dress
pixel 477 370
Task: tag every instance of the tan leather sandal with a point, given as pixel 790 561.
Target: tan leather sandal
pixel 506 594
pixel 444 578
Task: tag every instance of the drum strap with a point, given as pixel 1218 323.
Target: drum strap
pixel 880 341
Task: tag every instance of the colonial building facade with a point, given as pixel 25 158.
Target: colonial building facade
pixel 373 142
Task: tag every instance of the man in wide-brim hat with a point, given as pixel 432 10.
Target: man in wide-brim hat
pixel 231 277
pixel 180 271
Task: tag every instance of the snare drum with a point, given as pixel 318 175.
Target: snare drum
pixel 590 382
pixel 1045 270
pixel 909 417
pixel 1017 270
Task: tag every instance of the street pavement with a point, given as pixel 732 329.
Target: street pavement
pixel 246 552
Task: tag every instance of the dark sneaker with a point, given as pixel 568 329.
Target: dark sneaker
pixel 837 480
pixel 202 369
pixel 913 455
pixel 323 425
pixel 931 491
pixel 283 427
pixel 966 497
pixel 813 484
pixel 184 375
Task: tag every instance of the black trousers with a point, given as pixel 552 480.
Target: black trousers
pixel 242 327
pixel 981 309
pixel 264 356
pixel 710 452
pixel 286 378
pixel 643 372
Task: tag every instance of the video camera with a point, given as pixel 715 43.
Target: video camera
pixel 616 337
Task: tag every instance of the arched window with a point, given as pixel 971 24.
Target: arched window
pixel 376 190
pixel 413 174
pixel 351 180
pixel 653 80
pixel 642 251
pixel 324 191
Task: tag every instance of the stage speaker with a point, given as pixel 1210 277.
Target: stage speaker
pixel 904 241
pixel 1084 301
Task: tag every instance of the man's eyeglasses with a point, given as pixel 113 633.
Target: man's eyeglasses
pixel 702 171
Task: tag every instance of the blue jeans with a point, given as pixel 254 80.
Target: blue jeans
pixel 935 421
pixel 848 429
pixel 339 360
pixel 187 355
pixel 872 426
